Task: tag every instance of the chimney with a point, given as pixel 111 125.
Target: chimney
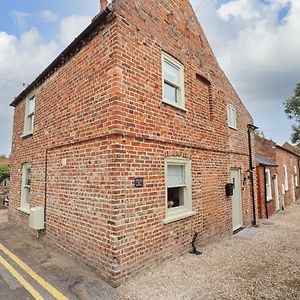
pixel 103 5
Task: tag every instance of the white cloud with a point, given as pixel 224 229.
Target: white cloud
pixel 20 19
pixel 71 26
pixel 22 59
pixel 259 52
pixel 243 9
pixel 48 16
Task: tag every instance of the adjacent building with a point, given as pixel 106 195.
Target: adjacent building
pixel 277 170
pixel 129 138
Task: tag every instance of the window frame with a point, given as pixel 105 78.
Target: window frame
pixel 286 179
pixel 184 211
pixel 167 58
pixel 231 108
pixel 268 185
pixel 29 115
pixel 296 177
pixel 25 205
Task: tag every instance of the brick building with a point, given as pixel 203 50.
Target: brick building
pixel 277 170
pixel 128 139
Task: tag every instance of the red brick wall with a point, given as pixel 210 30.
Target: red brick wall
pixel 291 161
pixel 103 113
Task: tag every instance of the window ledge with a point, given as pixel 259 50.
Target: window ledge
pixel 179 216
pixel 233 128
pixel 174 105
pixel 24 211
pixel 270 200
pixel 25 135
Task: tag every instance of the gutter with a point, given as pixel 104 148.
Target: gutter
pixel 65 54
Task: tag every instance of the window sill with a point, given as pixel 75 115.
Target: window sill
pixel 174 105
pixel 24 211
pixel 233 128
pixel 178 217
pixel 26 135
pixel 270 200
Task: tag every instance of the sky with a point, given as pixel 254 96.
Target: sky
pixel 256 43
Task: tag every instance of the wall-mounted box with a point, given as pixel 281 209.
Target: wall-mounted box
pixel 36 218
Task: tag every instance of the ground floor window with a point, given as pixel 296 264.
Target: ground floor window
pixel 25 191
pixel 268 185
pixel 178 187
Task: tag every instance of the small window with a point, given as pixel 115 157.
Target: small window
pixel 29 114
pixel 173 81
pixel 231 116
pixel 286 181
pixel 296 176
pixel 25 192
pixel 178 188
pixel 268 185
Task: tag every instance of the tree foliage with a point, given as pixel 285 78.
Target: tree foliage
pixel 292 109
pixel 4 172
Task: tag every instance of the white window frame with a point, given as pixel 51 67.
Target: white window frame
pixel 296 176
pixel 29 116
pixel 184 211
pixel 286 179
pixel 268 185
pixel 231 116
pixel 180 101
pixel 25 204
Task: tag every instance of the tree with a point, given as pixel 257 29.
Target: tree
pixel 4 172
pixel 292 109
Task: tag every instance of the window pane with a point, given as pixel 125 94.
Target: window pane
pixel 27 195
pixel 267 177
pixel 31 105
pixel 171 73
pixel 175 197
pixel 170 93
pixel 27 176
pixel 176 175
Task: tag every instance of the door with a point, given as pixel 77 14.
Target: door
pixel 276 192
pixel 237 209
pixel 293 188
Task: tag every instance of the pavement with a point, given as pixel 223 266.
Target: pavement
pixel 32 268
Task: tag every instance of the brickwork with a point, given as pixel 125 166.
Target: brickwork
pixel 291 161
pixel 100 123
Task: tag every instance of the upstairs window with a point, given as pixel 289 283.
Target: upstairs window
pixel 29 114
pixel 25 192
pixel 286 180
pixel 173 81
pixel 268 185
pixel 231 116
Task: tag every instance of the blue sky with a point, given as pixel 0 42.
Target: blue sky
pixel 254 41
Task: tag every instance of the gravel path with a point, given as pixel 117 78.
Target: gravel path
pixel 259 263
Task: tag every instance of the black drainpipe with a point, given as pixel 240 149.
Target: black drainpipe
pixel 265 188
pixel 251 168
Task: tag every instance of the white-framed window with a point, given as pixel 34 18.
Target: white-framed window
pixel 231 116
pixel 173 81
pixel 286 179
pixel 29 113
pixel 296 176
pixel 178 180
pixel 25 189
pixel 268 185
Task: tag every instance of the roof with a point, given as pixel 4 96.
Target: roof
pixel 69 51
pixel 294 149
pixel 262 160
pixel 289 148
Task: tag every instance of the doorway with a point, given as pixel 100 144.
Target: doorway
pixel 237 208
